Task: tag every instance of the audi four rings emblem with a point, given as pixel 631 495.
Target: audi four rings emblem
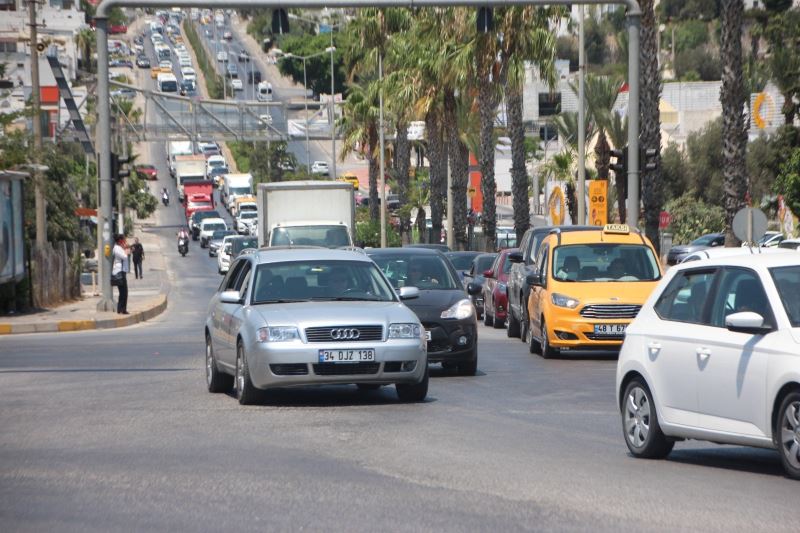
pixel 345 334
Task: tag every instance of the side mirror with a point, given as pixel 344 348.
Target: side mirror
pixel 473 289
pixel 516 257
pixel 747 322
pixel 534 279
pixel 230 297
pixel 488 274
pixel 408 293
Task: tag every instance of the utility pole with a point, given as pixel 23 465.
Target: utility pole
pixel 581 123
pixel 38 180
pixel 382 180
pixel 333 115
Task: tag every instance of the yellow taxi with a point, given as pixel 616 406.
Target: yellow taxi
pixel 154 72
pixel 587 287
pixel 349 178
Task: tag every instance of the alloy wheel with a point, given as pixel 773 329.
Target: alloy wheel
pixel 209 362
pixel 637 417
pixel 239 373
pixel 790 434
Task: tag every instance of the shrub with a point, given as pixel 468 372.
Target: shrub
pixel 692 218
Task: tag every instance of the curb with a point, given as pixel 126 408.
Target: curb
pixel 81 325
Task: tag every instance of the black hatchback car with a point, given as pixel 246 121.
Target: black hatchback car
pixel 443 306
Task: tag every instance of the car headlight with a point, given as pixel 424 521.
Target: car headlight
pixel 404 331
pixel 460 310
pixel 564 301
pixel 278 334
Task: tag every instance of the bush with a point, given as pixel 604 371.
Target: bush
pixel 700 62
pixel 368 233
pixel 788 182
pixel 692 218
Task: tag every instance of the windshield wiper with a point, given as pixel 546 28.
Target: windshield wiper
pixel 281 301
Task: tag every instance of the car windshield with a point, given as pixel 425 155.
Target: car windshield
pixel 237 245
pixel 787 281
pixel 212 163
pixel 507 266
pixel 461 261
pixel 426 272
pixel 328 236
pixel 219 234
pixel 248 214
pixel 605 262
pixel 301 281
pixel 705 240
pixel 200 215
pixel 214 226
pixel 483 263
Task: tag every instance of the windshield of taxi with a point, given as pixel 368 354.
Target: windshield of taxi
pixel 303 281
pixel 426 272
pixel 605 262
pixel 787 281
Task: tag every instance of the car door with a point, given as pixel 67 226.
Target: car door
pixel 238 312
pixel 488 287
pixel 732 366
pixel 223 316
pixel 537 293
pixel 670 342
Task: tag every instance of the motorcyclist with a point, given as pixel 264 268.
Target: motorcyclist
pixel 183 241
pixel 183 233
pixel 165 196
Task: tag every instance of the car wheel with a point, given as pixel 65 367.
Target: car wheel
pixel 488 320
pixel 547 351
pixel 497 323
pixel 469 368
pixel 789 434
pixel 368 386
pixel 413 392
pixel 246 392
pixel 524 325
pixel 202 243
pixel 533 344
pixel 512 325
pixel 640 425
pixel 215 380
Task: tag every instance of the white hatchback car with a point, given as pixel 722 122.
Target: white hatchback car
pixel 714 354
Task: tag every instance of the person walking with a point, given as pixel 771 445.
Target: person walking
pixel 119 272
pixel 137 254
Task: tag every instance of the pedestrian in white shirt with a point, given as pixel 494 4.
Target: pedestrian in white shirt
pixel 119 272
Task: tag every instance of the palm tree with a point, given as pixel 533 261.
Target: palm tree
pixel 617 130
pixel 360 130
pixel 732 97
pixel 86 42
pixel 601 94
pixel 650 133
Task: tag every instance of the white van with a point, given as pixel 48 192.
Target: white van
pixel 167 83
pixel 264 92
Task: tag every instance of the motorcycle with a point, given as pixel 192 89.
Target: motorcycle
pixel 165 200
pixel 183 246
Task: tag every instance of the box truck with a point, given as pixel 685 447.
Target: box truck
pixel 189 167
pixel 235 186
pixel 174 149
pixel 311 213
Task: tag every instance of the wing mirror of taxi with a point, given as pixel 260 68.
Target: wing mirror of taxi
pixel 488 274
pixel 515 257
pixel 473 289
pixel 534 279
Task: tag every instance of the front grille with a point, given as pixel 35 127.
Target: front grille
pixel 365 333
pixel 593 337
pixel 291 369
pixel 345 369
pixel 439 345
pixel 610 311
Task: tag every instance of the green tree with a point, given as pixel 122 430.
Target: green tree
pixel 691 218
pixel 318 69
pixel 788 182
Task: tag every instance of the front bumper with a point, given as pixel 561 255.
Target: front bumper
pixel 452 340
pixel 297 364
pixel 577 333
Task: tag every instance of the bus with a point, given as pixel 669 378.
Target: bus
pixel 264 92
pixel 167 83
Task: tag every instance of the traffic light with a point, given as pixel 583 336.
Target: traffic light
pixel 648 159
pixel 280 21
pixel 118 172
pixel 620 166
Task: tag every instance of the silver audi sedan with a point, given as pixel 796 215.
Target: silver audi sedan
pixel 286 317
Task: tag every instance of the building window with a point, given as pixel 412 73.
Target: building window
pixel 549 104
pixel 8 47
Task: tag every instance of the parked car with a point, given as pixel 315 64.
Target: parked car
pixel 290 317
pixel 215 241
pixel 678 252
pixel 523 264
pixel 320 167
pixel 714 355
pixel 237 85
pixel 474 275
pixel 587 287
pixel 443 306
pixel 462 262
pixel 125 63
pixel 146 172
pixel 790 244
pixel 495 297
pixel 124 92
pixel 207 228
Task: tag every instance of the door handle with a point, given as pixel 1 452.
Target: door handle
pixel 703 353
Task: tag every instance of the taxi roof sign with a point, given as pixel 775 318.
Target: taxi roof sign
pixel 617 228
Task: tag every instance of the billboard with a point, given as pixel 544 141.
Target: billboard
pixel 12 256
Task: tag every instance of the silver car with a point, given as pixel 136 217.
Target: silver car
pixel 310 316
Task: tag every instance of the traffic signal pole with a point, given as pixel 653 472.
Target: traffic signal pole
pixel 104 208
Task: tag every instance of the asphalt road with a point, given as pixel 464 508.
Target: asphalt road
pixel 114 431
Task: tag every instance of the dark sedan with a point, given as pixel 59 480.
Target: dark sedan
pixel 143 62
pixel 443 306
pixel 462 261
pixel 678 253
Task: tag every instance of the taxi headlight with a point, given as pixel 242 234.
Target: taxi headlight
pixel 564 301
pixel 404 331
pixel 278 334
pixel 460 310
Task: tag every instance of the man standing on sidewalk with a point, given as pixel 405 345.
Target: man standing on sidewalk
pixel 137 254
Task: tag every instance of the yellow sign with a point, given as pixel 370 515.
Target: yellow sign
pixel 557 206
pixel 617 228
pixel 598 202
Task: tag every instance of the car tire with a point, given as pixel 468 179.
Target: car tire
pixel 640 426
pixel 202 243
pixel 368 386
pixel 497 323
pixel 246 392
pixel 533 344
pixel 216 380
pixel 787 434
pixel 547 351
pixel 512 325
pixel 470 367
pixel 488 319
pixel 413 392
pixel 524 326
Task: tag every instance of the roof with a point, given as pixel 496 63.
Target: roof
pixel 599 236
pixel 275 254
pixel 746 260
pixel 405 251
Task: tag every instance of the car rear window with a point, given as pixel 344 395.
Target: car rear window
pixel 426 272
pixel 605 262
pixel 787 281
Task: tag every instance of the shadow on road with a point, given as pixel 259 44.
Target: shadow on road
pixel 741 459
pixel 90 370
pixel 330 396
